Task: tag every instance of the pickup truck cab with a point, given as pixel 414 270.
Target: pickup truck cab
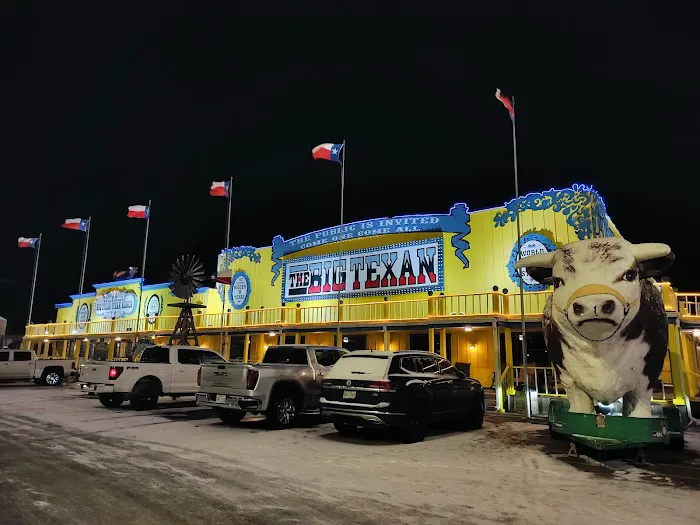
pixel 22 365
pixel 153 372
pixel 286 383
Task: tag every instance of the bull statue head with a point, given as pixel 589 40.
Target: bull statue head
pixel 597 282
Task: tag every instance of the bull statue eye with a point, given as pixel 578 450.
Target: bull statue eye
pixel 557 282
pixel 630 275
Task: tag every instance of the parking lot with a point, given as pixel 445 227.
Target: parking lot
pixel 65 459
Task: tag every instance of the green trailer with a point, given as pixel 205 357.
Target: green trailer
pixel 614 431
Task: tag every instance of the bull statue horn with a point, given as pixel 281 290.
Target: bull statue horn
pixel 541 260
pixel 650 250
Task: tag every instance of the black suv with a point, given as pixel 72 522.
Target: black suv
pixel 407 390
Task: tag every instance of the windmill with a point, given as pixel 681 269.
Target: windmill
pixel 186 276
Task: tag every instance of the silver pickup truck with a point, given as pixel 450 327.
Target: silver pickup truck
pixel 287 382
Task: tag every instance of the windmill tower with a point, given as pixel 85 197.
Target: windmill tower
pixel 186 276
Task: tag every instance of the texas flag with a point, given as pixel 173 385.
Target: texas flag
pixel 27 242
pixel 138 212
pixel 75 224
pixel 507 103
pixel 219 189
pixel 327 151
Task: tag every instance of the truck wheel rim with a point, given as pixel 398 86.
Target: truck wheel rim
pixel 285 411
pixel 52 378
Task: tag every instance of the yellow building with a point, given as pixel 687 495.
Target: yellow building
pixel 443 282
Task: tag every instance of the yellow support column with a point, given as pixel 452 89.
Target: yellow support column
pixel 386 339
pixel 443 343
pixel 497 366
pixel 690 365
pixel 76 353
pixel 676 360
pixel 297 338
pixel 510 388
pixel 431 340
pixel 87 350
pixel 110 349
pixel 246 348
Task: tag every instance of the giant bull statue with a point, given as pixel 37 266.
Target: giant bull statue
pixel 604 324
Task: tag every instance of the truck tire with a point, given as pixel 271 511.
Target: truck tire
pixel 144 396
pixel 230 417
pixel 111 400
pixel 52 377
pixel 283 410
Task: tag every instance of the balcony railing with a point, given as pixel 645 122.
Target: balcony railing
pixel 490 305
pixel 689 305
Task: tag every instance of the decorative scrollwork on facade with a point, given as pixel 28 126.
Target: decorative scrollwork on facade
pixel 583 207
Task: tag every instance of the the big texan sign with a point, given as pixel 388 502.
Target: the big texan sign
pixel 385 270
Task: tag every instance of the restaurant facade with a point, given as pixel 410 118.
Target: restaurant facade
pixel 443 282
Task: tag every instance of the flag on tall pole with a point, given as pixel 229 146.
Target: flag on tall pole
pixel 509 103
pixel 220 189
pixel 335 153
pixel 31 242
pixel 139 211
pixel 76 224
pixel 224 189
pixel 27 242
pixel 82 225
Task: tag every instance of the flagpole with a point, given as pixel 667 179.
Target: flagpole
pixel 82 273
pixel 143 271
pixel 520 274
pixel 228 242
pixel 36 269
pixel 339 342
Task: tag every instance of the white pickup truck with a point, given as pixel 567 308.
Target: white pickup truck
pixel 153 372
pixel 19 365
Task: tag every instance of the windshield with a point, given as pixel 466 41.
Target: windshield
pixel 289 355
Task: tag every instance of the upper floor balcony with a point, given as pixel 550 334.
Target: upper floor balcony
pixel 438 309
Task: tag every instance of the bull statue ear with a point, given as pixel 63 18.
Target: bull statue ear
pixel 539 266
pixel 652 258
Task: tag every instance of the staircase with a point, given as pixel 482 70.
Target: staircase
pixel 490 395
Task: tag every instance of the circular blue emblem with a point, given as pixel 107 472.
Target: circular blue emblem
pixel 239 291
pixel 530 244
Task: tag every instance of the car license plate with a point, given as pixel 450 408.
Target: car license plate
pixel 349 394
pixel 220 398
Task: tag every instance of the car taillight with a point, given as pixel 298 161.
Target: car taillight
pixel 382 386
pixel 252 379
pixel 115 371
pixel 199 376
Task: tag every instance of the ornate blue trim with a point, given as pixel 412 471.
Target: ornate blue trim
pixel 227 256
pixel 514 256
pixel 456 222
pixel 235 276
pixel 583 206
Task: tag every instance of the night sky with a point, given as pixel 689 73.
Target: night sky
pixel 105 109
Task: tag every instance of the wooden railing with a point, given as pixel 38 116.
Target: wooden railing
pixel 689 304
pixel 493 305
